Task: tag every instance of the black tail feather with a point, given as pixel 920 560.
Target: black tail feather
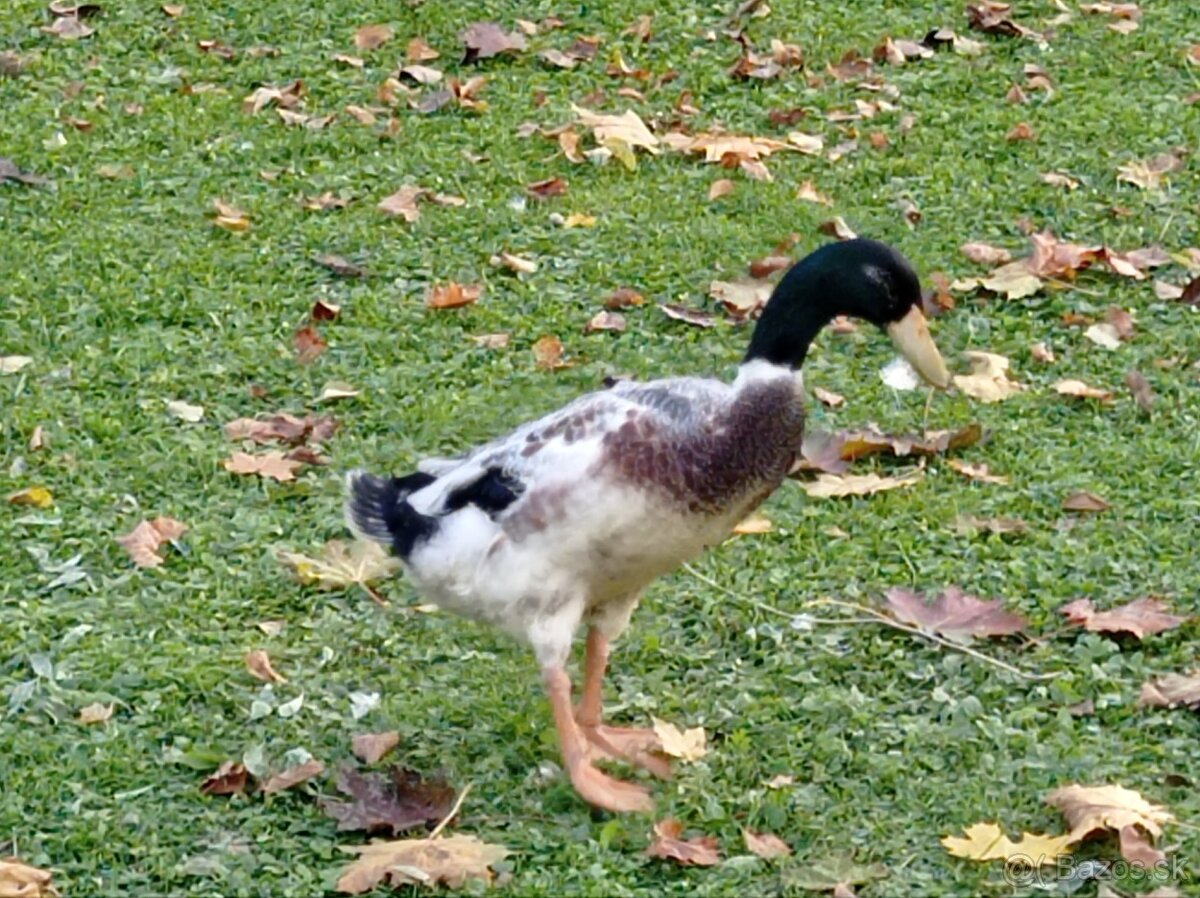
pixel 377 508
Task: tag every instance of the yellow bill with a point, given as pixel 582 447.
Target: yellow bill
pixel 912 339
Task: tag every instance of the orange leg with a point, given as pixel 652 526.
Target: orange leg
pixel 593 786
pixel 637 746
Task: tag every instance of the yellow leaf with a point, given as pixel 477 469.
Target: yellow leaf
pixel 452 860
pixel 986 842
pixel 627 128
pixel 579 220
pixel 687 745
pixel 342 564
pixel 37 496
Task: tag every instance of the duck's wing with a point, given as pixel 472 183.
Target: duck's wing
pixel 570 443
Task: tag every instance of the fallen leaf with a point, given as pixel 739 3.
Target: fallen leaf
pixel 605 320
pixel 185 411
pixel 547 188
pixel 970 524
pixel 231 778
pixel 753 524
pixel 398 801
pixel 765 845
pixel 1165 290
pixel 372 37
pixel 623 298
pixel 273 465
pixel 831 873
pixel 723 187
pixel 420 51
pixel 622 134
pixel 989 380
pixel 828 486
pixel 1085 501
pixel 688 745
pixel 339 266
pixel 1060 179
pixel 484 40
pixel 1148 173
pixel 10 171
pixel 809 194
pixel 1171 691
pixel 830 452
pixel 93 713
pixel 355 62
pixel 1012 281
pixel 450 860
pixel 691 316
pixel 1143 395
pixel 1080 390
pixel 1042 353
pixel 1147 615
pixel 1104 335
pixel 452 295
pixel 422 74
pixel 830 398
pixel 954 614
pixel 837 227
pixel 323 310
pixel 579 220
pixel 35 496
pixel 258 662
pixel 19 880
pixel 309 344
pixel 492 341
pixel 514 263
pixel 1021 131
pixel 976 472
pixel 283 427
pixel 370 748
pixel 1191 293
pixel 699 851
pixel 403 203
pixel 11 364
pixel 985 254
pixel 336 389
pixel 230 217
pixel 987 842
pixel 341 565
pixel 294 776
pixel 742 299
pixel 1124 811
pixel 143 541
pixel 992 17
pixel 69 28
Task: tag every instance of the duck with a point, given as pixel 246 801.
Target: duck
pixel 565 521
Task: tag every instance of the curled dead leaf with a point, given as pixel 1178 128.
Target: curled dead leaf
pixel 976 472
pixel 143 541
pixel 1077 389
pixel 989 380
pixel 370 748
pixel 448 860
pixel 452 295
pixel 1085 501
pixel 1147 615
pixel 97 712
pixel 700 851
pixel 230 778
pixel 766 845
pixel 294 776
pixel 258 662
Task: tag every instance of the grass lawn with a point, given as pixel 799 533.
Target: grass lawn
pixel 126 296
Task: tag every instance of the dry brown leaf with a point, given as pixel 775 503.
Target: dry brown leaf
pixel 492 341
pixel 1148 173
pixel 96 712
pixel 809 193
pixel 605 320
pixel 828 486
pixel 273 465
pixel 1124 811
pixel 723 187
pixel 955 614
pixel 687 745
pixel 623 298
pixel 830 398
pixel 742 299
pixel 547 188
pixel 1077 389
pixel 837 227
pixel 484 40
pixel 766 845
pixel 753 524
pixel 449 860
pixel 1021 131
pixel 230 217
pixel 993 17
pixel 258 662
pixel 1042 353
pixel 1147 615
pixel 231 778
pixel 1083 500
pixel 420 51
pixel 69 28
pixel 283 427
pixel 422 74
pixel 341 565
pixel 989 380
pixel 976 472
pixel 294 776
pixel 514 263
pixel 309 344
pixel 403 203
pixel 1060 179
pixel 687 315
pixel 372 37
pixel 370 748
pixel 548 354
pixel 452 295
pixel 1013 281
pixel 699 851
pixel 1143 395
pixel 143 541
pixel 19 880
pixel 1172 691
pixel 985 254
pixel 1165 290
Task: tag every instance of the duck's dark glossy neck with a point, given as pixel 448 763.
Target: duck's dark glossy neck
pixel 787 329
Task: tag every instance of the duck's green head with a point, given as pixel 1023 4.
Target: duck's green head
pixel 858 278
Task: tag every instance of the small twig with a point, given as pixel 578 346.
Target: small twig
pixel 375 597
pixel 437 830
pixel 880 617
pixel 761 606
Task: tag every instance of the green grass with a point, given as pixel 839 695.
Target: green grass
pixel 126 296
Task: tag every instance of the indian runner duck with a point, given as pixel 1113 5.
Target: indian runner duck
pixel 567 519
